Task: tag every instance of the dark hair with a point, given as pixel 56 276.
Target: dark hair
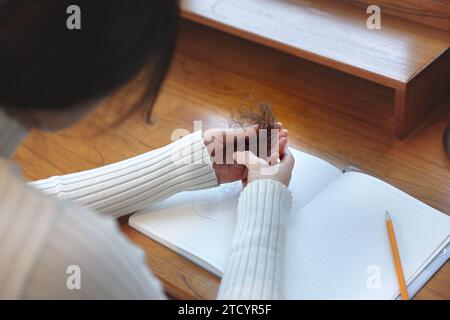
pixel 262 115
pixel 45 65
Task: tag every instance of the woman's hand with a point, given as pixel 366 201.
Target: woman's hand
pixel 273 169
pixel 222 149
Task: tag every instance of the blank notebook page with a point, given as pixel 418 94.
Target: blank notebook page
pixel 200 224
pixel 338 242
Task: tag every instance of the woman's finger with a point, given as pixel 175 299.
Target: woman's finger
pixel 278 125
pixel 248 159
pixel 282 146
pixel 273 159
pixel 284 133
pixel 287 159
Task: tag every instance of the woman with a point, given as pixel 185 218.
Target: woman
pixel 51 77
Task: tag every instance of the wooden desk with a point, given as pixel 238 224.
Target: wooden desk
pixel 411 58
pixel 338 117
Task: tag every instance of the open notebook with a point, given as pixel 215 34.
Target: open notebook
pixel 336 239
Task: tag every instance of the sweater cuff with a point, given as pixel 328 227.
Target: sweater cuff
pixel 131 184
pixel 255 266
pixel 263 196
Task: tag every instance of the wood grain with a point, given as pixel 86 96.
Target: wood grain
pixel 328 32
pixel 403 55
pixel 435 13
pixel 422 96
pixel 336 116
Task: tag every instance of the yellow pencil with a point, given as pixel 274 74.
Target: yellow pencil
pixel 396 256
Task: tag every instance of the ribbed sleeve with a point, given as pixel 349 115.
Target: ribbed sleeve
pixel 255 263
pixel 130 185
pixel 110 266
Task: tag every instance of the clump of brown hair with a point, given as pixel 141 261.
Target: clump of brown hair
pixel 261 115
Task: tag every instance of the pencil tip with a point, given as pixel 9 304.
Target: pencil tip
pixel 388 217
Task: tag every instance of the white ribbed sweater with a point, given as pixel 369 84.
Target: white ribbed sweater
pixel 41 235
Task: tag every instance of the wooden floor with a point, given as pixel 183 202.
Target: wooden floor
pixel 340 118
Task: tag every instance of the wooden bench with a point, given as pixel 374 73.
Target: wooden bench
pixel 411 58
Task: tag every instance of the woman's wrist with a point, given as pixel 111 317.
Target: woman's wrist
pixel 255 264
pixel 267 198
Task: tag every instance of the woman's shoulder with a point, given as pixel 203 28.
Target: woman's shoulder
pixel 42 236
pixel 16 195
pixel 26 218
